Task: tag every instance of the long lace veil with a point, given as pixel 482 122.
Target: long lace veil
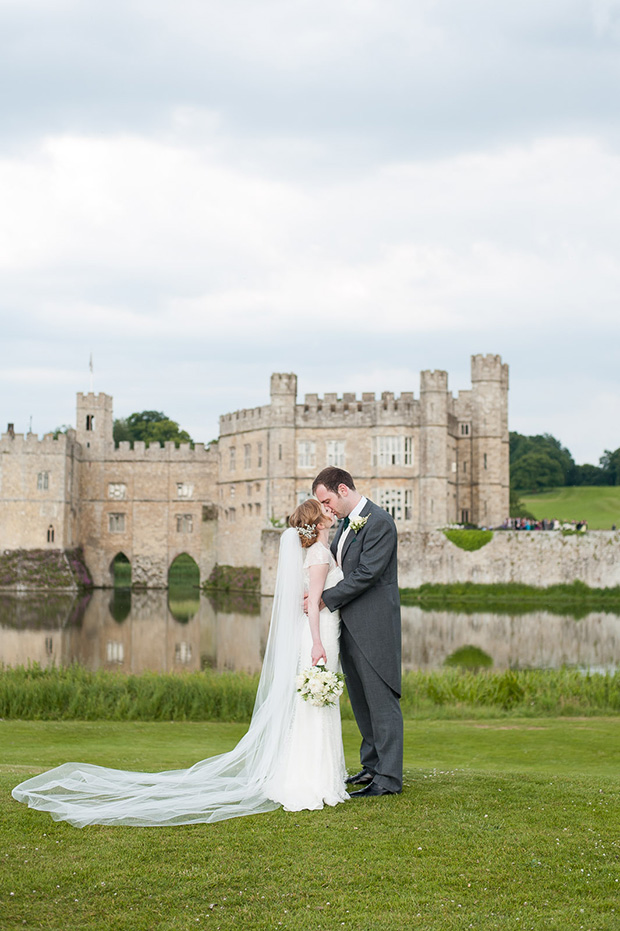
pixel 226 786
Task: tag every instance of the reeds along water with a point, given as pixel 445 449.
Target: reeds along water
pixel 74 693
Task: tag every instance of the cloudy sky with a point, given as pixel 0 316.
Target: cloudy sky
pixel 202 192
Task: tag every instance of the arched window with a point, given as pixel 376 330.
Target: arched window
pixel 50 534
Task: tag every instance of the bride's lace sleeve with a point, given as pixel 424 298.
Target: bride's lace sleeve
pixel 316 555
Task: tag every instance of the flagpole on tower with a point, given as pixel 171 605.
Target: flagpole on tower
pixel 90 366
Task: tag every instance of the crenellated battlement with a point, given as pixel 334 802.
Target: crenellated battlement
pixel 436 380
pixel 349 410
pixel 32 443
pixel 488 368
pixel 157 453
pixel 253 418
pixel 284 383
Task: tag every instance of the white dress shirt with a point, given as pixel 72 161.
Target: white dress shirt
pixel 357 510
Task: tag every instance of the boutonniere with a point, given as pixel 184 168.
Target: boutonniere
pixel 357 523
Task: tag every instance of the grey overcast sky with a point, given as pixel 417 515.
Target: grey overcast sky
pixel 202 192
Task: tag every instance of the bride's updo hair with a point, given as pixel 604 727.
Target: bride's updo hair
pixel 306 519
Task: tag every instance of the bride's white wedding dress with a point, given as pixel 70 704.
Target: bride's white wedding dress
pixel 291 754
pixel 313 772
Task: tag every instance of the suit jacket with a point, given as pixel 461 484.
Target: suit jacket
pixel 368 596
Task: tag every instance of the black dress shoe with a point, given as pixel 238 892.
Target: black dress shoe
pixel 372 790
pixel 363 778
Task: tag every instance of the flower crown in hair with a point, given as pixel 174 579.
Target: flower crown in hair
pixel 308 531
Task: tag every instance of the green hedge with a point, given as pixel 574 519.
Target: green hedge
pixel 73 693
pixel 234 578
pixel 469 539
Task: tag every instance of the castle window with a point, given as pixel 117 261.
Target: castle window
pixel 116 523
pixel 485 460
pixel 43 481
pixel 257 509
pixel 232 491
pixel 90 423
pixel 117 490
pixel 302 496
pixel 232 462
pixel 398 502
pixel 250 509
pixel 49 646
pixel 279 450
pixel 248 489
pixel 464 429
pixel 465 516
pixel 50 534
pixel 259 452
pixel 185 490
pixel 247 456
pixel 335 453
pixel 454 466
pixel 115 651
pixel 185 523
pixel 306 455
pixel 392 450
pixel 183 652
pixel 232 515
pixel 464 467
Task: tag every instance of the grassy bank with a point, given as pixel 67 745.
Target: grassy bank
pixel 575 600
pixel 74 693
pixel 498 827
pixel 600 505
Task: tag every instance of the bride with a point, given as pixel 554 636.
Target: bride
pixel 291 755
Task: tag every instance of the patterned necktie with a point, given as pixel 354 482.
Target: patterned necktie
pixel 345 524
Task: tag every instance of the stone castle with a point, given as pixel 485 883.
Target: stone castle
pixel 430 461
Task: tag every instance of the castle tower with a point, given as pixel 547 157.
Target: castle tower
pixel 433 450
pixel 281 449
pixel 490 440
pixel 94 423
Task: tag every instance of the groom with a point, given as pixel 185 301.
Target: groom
pixel 370 640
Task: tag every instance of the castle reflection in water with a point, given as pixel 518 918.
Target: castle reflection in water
pixel 152 630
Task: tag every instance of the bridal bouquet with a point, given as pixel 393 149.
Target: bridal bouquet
pixel 319 686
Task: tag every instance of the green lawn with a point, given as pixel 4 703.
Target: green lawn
pixel 600 506
pixel 503 824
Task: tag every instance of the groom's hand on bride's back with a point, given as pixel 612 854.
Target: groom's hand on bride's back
pixel 321 604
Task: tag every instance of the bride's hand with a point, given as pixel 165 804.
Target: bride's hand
pixel 318 653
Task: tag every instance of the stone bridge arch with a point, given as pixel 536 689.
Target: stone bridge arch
pixel 183 587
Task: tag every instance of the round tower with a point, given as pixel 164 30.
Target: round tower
pixel 490 440
pixel 281 452
pixel 433 449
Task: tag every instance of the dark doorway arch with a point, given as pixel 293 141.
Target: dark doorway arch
pixel 183 588
pixel 120 570
pixel 120 602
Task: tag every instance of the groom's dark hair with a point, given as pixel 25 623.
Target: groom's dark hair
pixel 331 478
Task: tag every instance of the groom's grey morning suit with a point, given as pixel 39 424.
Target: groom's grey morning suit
pixel 370 640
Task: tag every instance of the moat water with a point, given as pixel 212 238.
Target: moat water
pixel 170 632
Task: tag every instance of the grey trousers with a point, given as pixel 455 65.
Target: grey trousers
pixel 378 715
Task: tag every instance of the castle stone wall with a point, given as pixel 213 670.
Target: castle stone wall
pixel 532 558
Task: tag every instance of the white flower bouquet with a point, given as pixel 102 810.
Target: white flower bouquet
pixel 319 686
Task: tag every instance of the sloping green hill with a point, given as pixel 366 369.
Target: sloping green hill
pixel 600 505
